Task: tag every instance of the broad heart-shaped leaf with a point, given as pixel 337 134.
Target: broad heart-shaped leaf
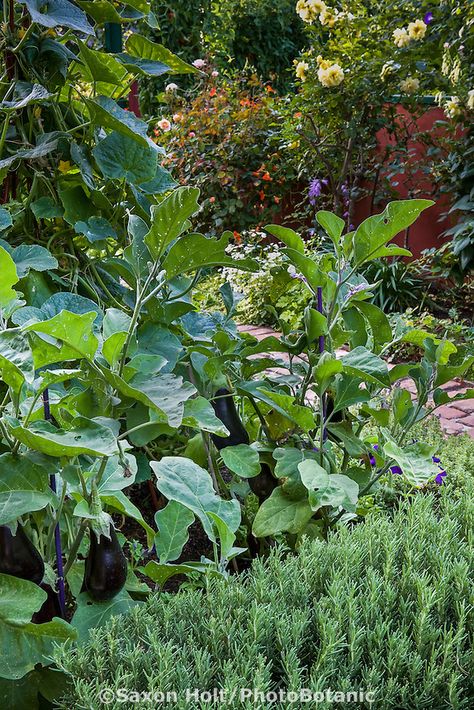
pixel 9 278
pixel 172 523
pixel 364 364
pixel 170 218
pixel 199 414
pixel 107 113
pixel 102 67
pixel 161 182
pixel 334 489
pixel 194 251
pixel 242 460
pixel 376 231
pixel 33 257
pixel 95 229
pixel 287 236
pixel 119 156
pixel 46 208
pixel 86 437
pixel 182 480
pixel 92 615
pixel 279 513
pixel 58 13
pixel 139 46
pixel 164 393
pixel 74 331
pixel 16 359
pixel 24 487
pixel 415 460
pixel 23 644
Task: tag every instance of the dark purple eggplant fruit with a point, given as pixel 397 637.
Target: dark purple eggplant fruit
pixel 50 608
pixel 336 417
pixel 106 567
pixel 19 557
pixel 224 408
pixel 263 484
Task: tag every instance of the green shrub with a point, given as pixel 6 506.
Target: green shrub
pixel 386 606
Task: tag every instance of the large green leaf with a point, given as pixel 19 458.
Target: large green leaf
pixel 349 392
pixel 185 482
pixel 32 257
pixel 364 364
pixel 25 93
pixel 46 208
pixel 376 231
pixel 279 513
pixel 378 321
pixel 9 278
pixel 287 236
pixel 58 13
pixel 92 615
pixel 102 67
pixel 86 437
pixel 195 251
pixel 139 46
pixel 170 218
pixel 107 113
pixel 16 359
pixel 415 460
pixel 333 226
pixel 23 644
pixel 119 156
pixel 173 523
pixel 101 11
pixel 71 329
pixel 160 573
pixel 47 143
pixel 199 414
pixel 24 487
pixel 115 331
pixel 242 460
pixel 328 489
pixel 164 393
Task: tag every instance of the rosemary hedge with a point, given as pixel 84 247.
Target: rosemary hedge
pixel 387 606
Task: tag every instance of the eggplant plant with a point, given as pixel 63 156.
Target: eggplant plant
pixel 327 417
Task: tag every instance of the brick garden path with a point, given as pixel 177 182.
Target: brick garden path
pixel 455 418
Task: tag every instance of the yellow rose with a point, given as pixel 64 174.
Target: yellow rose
pixel 331 76
pixel 417 29
pixel 410 85
pixel 470 99
pixel 328 17
pixel 452 107
pixel 401 37
pixel 387 69
pixel 301 69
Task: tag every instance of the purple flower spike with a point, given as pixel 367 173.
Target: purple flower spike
pixel 428 18
pixel 372 460
pixel 439 478
pixel 397 470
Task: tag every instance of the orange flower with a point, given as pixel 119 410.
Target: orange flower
pixel 261 194
pixel 213 92
pixel 277 199
pixel 237 237
pixel 270 89
pixel 267 177
pixel 298 114
pixel 212 199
